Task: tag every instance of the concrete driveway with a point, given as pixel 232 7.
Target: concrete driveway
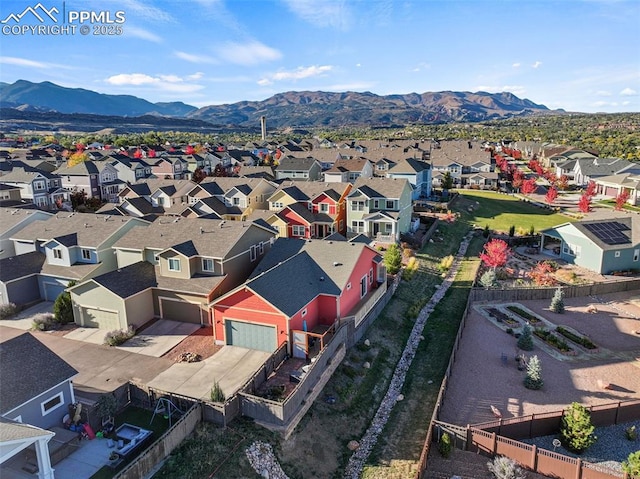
pixel 23 320
pixel 232 367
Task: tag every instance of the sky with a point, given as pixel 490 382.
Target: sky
pixel 578 55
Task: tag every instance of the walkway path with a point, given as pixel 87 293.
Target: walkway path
pixel 369 440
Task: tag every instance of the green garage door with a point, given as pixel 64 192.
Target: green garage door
pixel 252 336
pixel 99 318
pixel 180 311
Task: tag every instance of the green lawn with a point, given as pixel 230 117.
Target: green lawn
pixel 501 211
pixel 612 204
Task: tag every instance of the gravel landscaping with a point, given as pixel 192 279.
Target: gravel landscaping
pixel 611 448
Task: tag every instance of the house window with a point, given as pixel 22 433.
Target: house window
pixel 297 230
pixel 391 205
pixel 376 204
pixel 388 228
pixel 357 226
pixel 51 404
pixel 363 286
pixel 86 254
pixel 324 207
pixel 57 253
pixel 260 249
pixel 571 249
pixel 207 264
pixel 39 185
pixel 636 254
pixel 252 253
pixel 357 206
pixel 304 312
pixel 174 264
pixel 278 205
pixel 371 275
pixel 617 254
pixel 235 201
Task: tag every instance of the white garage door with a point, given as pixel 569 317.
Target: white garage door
pixel 99 318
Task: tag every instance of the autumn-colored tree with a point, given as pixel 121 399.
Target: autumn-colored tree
pixel 541 274
pixel 76 158
pixel 622 199
pixel 584 203
pixel 551 195
pixel 563 183
pixel 151 153
pixel 189 150
pixel 590 191
pixel 528 186
pixel 219 171
pixel 496 253
pixel 518 179
pixel 138 153
pixel 198 175
pixel 534 165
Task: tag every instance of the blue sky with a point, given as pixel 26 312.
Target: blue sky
pixel 580 55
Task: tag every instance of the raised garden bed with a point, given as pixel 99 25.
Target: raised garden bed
pixel 553 340
pixel 576 338
pixel 502 317
pixel 530 318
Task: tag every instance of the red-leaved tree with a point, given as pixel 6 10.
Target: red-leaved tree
pixel 591 189
pixel 518 178
pixel 584 203
pixel 563 182
pixel 541 274
pixel 496 253
pixel 138 153
pixel 551 195
pixel 528 186
pixel 189 150
pixel 621 199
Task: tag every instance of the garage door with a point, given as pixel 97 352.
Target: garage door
pixel 52 291
pixel 611 191
pixel 99 318
pixel 252 336
pixel 180 311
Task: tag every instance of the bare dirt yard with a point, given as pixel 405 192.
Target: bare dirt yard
pixel 481 378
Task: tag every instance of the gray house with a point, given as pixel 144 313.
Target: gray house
pixel 604 246
pixel 13 220
pixel 417 172
pixel 27 394
pixel 304 169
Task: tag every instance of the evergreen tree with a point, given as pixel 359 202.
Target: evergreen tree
pixel 557 302
pixel 533 379
pixel 217 395
pixel 63 308
pixel 525 341
pixel 576 431
pixel 488 278
pixel 393 259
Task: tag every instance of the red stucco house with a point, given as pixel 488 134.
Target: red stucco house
pixel 301 288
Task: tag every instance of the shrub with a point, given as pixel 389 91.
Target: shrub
pixel 408 253
pixel 566 276
pixel 557 302
pixel 411 269
pixel 8 310
pixel 62 307
pixel 486 231
pixel 533 379
pixel 489 278
pixel 532 230
pixel 576 431
pixel 119 336
pixel 581 340
pixel 503 467
pixel 445 263
pixel 217 395
pixel 445 446
pixel 632 465
pixel 630 433
pixel 393 259
pixel 512 231
pixel 525 341
pixel 42 322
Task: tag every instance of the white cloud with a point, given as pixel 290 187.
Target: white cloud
pixel 195 76
pixel 132 31
pixel 516 65
pixel 194 58
pixel 628 92
pixel 322 13
pixel 295 75
pixel 421 66
pixel 23 62
pixel 603 93
pixel 250 53
pixel 604 103
pixel 138 8
pixel 517 90
pixel 536 64
pixel 171 83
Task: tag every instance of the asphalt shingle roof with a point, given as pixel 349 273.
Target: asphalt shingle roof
pixel 21 265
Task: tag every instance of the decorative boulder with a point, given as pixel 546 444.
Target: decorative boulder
pixel 353 445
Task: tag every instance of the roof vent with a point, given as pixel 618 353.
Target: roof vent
pixel 201 230
pixel 335 263
pixel 321 278
pixel 86 225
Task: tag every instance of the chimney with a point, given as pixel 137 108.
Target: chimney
pixel 263 127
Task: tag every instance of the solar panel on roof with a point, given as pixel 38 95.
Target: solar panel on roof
pixel 609 232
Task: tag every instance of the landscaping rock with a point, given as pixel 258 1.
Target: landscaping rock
pixel 367 342
pixel 400 397
pixel 366 365
pixel 353 445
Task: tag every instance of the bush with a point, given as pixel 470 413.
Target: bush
pixel 62 307
pixel 557 302
pixel 486 231
pixel 489 279
pixel 525 341
pixel 630 433
pixel 119 336
pixel 445 263
pixel 632 465
pixel 217 395
pixel 8 310
pixel 512 231
pixel 411 269
pixel 445 446
pixel 43 322
pixel 533 379
pixel 503 467
pixel 576 431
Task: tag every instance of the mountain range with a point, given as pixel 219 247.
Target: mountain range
pixel 305 109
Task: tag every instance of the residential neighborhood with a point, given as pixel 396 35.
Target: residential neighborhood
pixel 211 284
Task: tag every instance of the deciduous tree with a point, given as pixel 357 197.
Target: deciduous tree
pixel 528 186
pixel 590 191
pixel 622 199
pixel 496 253
pixel 551 195
pixel 584 203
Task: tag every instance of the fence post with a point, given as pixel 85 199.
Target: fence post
pixel 617 411
pixel 494 445
pixel 579 468
pixel 534 456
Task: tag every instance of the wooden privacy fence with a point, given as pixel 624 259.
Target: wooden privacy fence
pixel 529 293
